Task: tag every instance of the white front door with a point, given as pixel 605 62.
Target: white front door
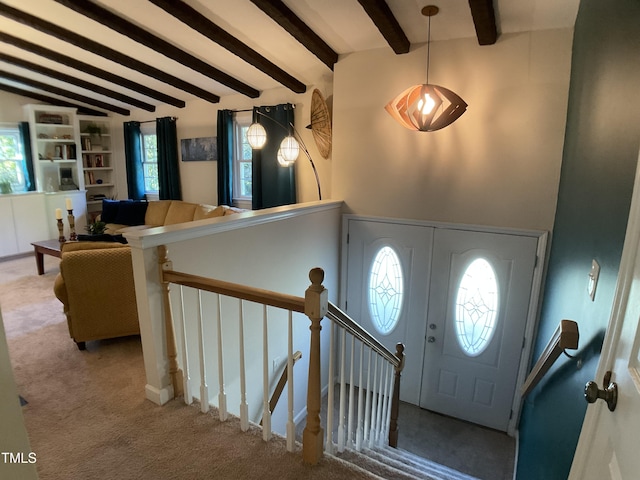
pixel 396 258
pixel 478 308
pixel 608 445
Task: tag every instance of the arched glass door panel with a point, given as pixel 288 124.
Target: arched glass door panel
pixel 386 290
pixel 476 308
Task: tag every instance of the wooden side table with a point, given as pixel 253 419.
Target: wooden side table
pixel 45 247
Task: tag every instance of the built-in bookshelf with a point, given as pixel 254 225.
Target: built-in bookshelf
pixel 97 160
pixel 55 144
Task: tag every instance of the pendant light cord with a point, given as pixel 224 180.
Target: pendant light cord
pixel 428 47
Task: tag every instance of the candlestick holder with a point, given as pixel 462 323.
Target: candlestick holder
pixel 61 238
pixel 72 226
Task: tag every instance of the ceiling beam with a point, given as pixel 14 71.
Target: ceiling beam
pixel 484 19
pixel 206 27
pixel 157 44
pixel 383 18
pixel 62 92
pixel 90 69
pixel 63 77
pixel 283 16
pixel 82 110
pixel 103 51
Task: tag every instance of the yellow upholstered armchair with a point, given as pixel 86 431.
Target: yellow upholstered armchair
pixel 95 286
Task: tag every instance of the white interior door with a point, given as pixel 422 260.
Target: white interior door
pixel 478 306
pixel 608 445
pixel 388 268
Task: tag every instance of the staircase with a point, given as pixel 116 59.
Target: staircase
pixel 395 463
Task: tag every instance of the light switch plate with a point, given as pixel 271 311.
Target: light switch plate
pixel 593 279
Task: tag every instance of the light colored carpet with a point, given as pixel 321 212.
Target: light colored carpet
pixel 87 416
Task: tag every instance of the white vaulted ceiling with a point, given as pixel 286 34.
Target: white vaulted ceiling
pixel 343 25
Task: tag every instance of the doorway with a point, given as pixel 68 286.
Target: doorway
pixel 461 300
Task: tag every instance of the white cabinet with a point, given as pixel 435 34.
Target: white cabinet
pixel 8 243
pixel 98 163
pixel 24 220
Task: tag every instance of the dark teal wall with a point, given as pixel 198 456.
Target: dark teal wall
pixel 600 155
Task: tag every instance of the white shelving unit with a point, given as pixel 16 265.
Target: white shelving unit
pixel 55 144
pixel 97 160
pixel 57 159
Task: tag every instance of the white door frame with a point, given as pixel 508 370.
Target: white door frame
pixel 536 286
pixel 630 251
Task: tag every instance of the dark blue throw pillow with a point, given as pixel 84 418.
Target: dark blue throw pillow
pixel 131 213
pixel 109 210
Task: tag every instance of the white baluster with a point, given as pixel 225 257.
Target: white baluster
pixel 186 387
pixel 222 395
pixel 380 402
pixel 244 408
pixel 343 392
pixel 329 443
pixel 385 404
pixel 291 426
pixel 266 413
pixel 387 423
pixel 204 389
pixel 374 403
pixel 359 428
pixel 367 410
pixel 351 399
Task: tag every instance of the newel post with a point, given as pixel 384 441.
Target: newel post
pixel 172 352
pixel 395 400
pixel 316 300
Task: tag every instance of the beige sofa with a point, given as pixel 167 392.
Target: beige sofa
pixel 95 286
pixel 95 283
pixel 121 216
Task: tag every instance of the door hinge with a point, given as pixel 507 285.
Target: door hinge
pixel 511 415
pixel 348 237
pixel 524 342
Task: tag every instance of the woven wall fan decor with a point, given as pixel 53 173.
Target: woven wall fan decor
pixel 320 123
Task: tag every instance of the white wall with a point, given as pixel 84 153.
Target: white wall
pixel 499 164
pixel 199 119
pixel 272 249
pixel 13 434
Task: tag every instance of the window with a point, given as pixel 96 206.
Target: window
pixel 150 160
pixel 386 290
pixel 11 161
pixel 242 165
pixel 476 307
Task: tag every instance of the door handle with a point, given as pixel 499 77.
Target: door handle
pixel 431 339
pixel 608 394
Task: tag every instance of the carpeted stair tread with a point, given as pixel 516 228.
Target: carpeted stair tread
pixel 422 464
pixel 383 468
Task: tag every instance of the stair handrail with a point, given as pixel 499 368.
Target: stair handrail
pixel 352 327
pixel 315 306
pixel 277 392
pixel 565 336
pixel 236 290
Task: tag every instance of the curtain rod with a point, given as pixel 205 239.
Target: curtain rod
pixel 293 105
pixel 150 121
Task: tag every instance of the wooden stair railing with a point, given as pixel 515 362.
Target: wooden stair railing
pixel 397 360
pixel 315 306
pixel 565 336
pixel 281 383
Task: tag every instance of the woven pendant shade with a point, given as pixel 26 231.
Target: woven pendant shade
pixel 426 108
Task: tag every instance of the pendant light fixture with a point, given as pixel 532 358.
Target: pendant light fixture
pixel 426 107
